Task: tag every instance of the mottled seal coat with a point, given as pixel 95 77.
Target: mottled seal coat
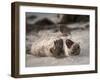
pixel 56 46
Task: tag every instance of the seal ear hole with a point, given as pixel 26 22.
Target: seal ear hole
pixel 78 47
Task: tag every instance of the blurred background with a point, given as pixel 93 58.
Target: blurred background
pixel 40 21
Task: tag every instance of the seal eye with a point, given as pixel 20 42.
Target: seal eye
pixel 69 43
